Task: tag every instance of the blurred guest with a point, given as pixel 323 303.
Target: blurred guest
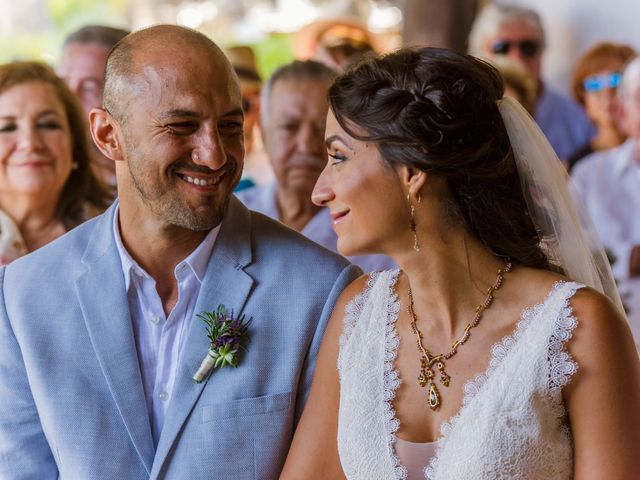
pixel 608 182
pixel 518 83
pixel 595 81
pixel 256 164
pixel 340 47
pixel 47 186
pixel 516 32
pixel 84 56
pixel 293 117
pixel 338 43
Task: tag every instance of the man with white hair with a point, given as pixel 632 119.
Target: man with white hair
pixel 517 33
pixel 608 182
pixel 293 113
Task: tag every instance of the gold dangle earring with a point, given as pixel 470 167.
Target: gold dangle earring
pixel 412 224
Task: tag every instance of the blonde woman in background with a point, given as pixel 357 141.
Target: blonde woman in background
pixel 596 79
pixel 47 186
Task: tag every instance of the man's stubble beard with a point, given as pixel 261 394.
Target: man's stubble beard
pixel 168 205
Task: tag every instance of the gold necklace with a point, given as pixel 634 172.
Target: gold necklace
pixel 427 360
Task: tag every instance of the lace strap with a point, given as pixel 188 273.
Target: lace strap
pixel 392 380
pixel 561 365
pixel 355 306
pixel 353 311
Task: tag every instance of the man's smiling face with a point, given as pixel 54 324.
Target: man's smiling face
pixel 183 137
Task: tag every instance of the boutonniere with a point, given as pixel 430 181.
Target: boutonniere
pixel 227 335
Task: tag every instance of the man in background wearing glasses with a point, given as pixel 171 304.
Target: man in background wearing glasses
pixel 517 33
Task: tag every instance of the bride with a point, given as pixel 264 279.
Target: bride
pixel 494 351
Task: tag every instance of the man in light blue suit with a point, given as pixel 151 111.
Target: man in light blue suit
pixel 98 340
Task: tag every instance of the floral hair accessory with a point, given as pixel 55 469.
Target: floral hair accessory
pixel 227 335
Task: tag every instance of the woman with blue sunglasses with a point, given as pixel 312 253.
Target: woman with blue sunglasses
pixel 595 82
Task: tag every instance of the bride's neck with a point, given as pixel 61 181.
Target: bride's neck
pixel 450 278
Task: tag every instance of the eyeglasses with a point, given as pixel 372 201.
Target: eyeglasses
pixel 597 83
pixel 528 48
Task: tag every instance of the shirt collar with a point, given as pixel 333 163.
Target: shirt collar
pixel 197 260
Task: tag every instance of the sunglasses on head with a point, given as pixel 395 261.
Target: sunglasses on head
pixel 597 83
pixel 528 48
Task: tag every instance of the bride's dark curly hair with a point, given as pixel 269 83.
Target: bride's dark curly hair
pixel 436 110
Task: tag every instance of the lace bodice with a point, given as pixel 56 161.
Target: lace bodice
pixel 512 420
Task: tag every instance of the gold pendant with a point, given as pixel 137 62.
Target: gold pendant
pixel 434 397
pixel 445 379
pixel 427 376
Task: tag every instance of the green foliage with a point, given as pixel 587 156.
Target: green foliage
pixel 65 16
pixel 271 53
pixel 41 47
pixel 226 335
pixel 68 15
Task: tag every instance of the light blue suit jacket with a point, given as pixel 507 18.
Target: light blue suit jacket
pixel 71 399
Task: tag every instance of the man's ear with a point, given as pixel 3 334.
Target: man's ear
pixel 413 180
pixel 106 134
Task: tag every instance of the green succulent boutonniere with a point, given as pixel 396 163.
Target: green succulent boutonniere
pixel 227 335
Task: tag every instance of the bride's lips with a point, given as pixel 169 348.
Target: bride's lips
pixel 339 216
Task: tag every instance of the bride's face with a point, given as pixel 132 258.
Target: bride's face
pixel 362 193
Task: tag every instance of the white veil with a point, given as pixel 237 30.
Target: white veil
pixel 567 235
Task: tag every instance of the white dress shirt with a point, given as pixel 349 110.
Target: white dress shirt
pixel 159 339
pixel 608 183
pixel 262 198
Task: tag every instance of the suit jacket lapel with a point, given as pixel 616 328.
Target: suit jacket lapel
pixel 225 283
pixel 108 322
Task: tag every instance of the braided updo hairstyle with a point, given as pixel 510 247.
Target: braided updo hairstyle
pixel 436 110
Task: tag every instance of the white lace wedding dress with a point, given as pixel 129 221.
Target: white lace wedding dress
pixel 512 421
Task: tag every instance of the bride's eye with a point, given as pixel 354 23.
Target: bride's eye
pixel 337 157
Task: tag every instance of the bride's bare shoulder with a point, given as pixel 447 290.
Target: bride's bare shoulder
pixel 602 331
pixel 603 326
pixel 349 294
pixel 587 304
pixel 529 286
pixel 355 288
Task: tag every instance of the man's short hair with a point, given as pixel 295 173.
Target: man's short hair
pixel 99 34
pixel 493 16
pixel 300 70
pixel 121 64
pixel 116 73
